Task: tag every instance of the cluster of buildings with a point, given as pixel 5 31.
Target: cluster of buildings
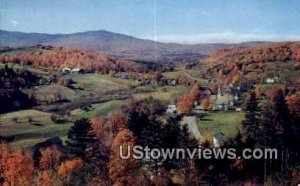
pixel 226 99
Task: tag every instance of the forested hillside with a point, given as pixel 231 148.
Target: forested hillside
pixel 256 63
pixel 57 58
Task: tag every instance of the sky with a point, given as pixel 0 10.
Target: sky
pixel 183 21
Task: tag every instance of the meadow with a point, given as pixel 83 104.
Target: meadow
pixel 227 122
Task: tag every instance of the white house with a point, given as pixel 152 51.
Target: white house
pixel 77 71
pixel 171 109
pixel 238 109
pixel 66 70
pixel 270 80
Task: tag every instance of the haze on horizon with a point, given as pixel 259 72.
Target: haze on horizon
pixel 193 21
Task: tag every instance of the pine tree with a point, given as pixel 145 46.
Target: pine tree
pixel 137 122
pixel 251 122
pixel 267 130
pixel 283 130
pixel 82 142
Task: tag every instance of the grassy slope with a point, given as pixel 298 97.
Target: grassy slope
pixel 100 83
pixel 27 134
pixel 98 109
pixel 226 122
pixel 167 93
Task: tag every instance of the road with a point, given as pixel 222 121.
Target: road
pixel 192 124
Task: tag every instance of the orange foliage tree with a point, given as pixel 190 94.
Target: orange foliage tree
pixel 16 168
pixel 185 103
pixel 293 102
pixel 195 91
pixel 50 157
pixel 182 80
pixel 116 122
pixel 259 91
pixel 206 104
pixel 68 166
pixel 121 170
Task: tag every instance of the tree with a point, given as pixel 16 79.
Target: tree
pixel 251 122
pixel 82 142
pixel 205 104
pixel 50 157
pixel 48 178
pixel 98 124
pixel 17 168
pixel 280 117
pixel 293 102
pixel 259 91
pixel 185 103
pixel 116 122
pixel 284 134
pixel 182 80
pixel 69 166
pixel 195 91
pixel 121 170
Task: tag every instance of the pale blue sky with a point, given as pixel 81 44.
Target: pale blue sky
pixel 186 21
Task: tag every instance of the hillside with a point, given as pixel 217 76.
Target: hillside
pixel 59 57
pixel 256 63
pixel 118 45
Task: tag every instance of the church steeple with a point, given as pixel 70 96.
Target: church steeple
pixel 219 92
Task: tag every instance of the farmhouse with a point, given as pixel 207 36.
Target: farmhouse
pixel 270 80
pixel 77 71
pixel 66 70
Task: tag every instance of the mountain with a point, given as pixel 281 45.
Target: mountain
pixel 118 45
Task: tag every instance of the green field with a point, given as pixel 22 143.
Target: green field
pixel 100 83
pixel 48 92
pixel 167 93
pixel 98 109
pixel 27 133
pixel 225 122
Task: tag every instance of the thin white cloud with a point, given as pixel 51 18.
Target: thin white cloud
pixel 14 22
pixel 226 37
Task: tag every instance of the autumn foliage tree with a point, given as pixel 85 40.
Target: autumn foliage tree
pixel 69 166
pixel 58 58
pixel 50 157
pixel 16 167
pixel 116 122
pixel 195 91
pixel 185 103
pixel 293 102
pixel 121 171
pixel 182 80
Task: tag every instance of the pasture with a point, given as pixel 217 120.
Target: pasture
pixel 228 122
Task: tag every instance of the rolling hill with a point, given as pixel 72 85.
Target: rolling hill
pixel 118 45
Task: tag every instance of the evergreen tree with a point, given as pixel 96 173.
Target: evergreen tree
pixel 82 142
pixel 137 122
pixel 267 130
pixel 251 122
pixel 283 130
pixel 280 119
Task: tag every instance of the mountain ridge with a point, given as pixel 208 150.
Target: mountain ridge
pixel 118 45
